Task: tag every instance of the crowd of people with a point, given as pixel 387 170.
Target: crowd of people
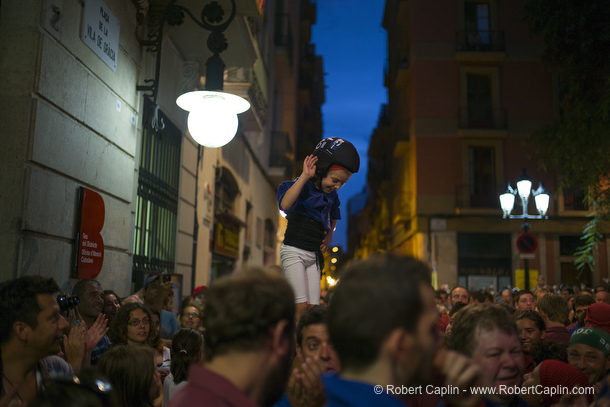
pixel 382 337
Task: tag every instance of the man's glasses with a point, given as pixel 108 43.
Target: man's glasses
pixel 191 315
pixel 136 322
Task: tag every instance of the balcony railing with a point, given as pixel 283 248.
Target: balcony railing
pixel 574 200
pixel 482 117
pixel 480 41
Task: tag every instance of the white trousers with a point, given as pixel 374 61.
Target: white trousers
pixel 302 272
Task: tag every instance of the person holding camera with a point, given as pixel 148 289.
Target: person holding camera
pixel 156 290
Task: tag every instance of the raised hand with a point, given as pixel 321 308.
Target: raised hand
pixel 74 345
pixel 96 332
pixel 309 166
pixel 305 388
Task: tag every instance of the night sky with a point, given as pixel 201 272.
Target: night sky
pixel 349 36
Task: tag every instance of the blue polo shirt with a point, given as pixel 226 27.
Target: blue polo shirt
pixel 345 393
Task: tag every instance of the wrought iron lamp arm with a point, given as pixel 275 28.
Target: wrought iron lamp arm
pixel 174 16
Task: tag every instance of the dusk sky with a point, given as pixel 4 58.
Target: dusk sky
pixel 349 36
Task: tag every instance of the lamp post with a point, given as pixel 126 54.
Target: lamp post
pixel 507 202
pixel 212 119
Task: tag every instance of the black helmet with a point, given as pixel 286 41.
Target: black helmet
pixel 335 150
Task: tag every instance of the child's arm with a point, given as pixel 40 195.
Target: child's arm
pixel 328 237
pixel 291 196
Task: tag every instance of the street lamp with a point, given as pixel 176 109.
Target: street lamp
pixel 507 202
pixel 212 119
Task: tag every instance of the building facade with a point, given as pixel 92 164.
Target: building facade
pixel 466 89
pixel 82 126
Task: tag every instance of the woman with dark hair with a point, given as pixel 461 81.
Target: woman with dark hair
pixel 187 348
pixel 112 305
pixel 136 324
pixel 163 355
pixel 131 326
pixel 132 373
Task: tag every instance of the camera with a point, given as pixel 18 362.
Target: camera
pixel 67 302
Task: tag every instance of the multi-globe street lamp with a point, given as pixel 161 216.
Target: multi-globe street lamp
pixel 507 202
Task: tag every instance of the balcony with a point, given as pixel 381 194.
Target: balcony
pixel 478 196
pixel 482 117
pixel 480 41
pixel 574 200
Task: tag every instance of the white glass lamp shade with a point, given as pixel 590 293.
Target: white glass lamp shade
pixel 212 120
pixel 507 202
pixel 524 186
pixel 542 203
pixel 542 200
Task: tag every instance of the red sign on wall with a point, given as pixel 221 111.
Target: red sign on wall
pixel 90 242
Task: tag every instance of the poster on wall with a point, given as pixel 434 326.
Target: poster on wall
pixel 520 278
pixel 89 241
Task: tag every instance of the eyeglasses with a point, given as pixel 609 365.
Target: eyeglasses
pixel 136 322
pixel 191 315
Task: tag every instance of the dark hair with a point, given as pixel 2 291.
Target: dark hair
pixel 240 310
pixel 542 351
pixel 555 307
pixel 154 338
pixel 19 302
pixel 583 300
pixel 479 296
pixel 89 389
pixel 118 327
pixel 374 297
pixel 456 308
pixel 187 345
pixel 111 292
pixel 474 319
pixel 315 315
pixel 79 287
pixel 532 316
pixel 518 295
pixel 131 369
pixel 438 293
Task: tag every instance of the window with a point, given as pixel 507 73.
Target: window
pixel 226 190
pixel 269 234
pixel 248 222
pixel 478 98
pixel 482 177
pixel 154 246
pixel 484 257
pixel 259 232
pixel 476 16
